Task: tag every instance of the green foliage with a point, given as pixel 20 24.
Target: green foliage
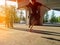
pixel 24 19
pixel 16 19
pixel 53 19
pixel 46 17
pixel 59 19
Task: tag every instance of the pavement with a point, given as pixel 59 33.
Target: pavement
pixel 20 35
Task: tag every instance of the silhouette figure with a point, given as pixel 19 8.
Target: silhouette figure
pixel 34 16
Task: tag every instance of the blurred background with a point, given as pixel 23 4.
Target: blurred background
pixel 18 11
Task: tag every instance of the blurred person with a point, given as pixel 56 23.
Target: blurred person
pixel 34 15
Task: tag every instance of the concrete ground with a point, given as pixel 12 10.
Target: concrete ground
pixel 20 35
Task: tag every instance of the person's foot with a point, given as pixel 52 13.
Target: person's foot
pixel 29 26
pixel 31 30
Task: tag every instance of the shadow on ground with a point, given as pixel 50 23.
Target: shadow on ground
pixel 40 31
pixel 51 38
pixel 52 25
pixel 46 32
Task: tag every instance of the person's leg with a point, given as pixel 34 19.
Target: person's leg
pixel 33 21
pixel 31 26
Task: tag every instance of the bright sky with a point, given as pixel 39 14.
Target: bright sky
pixel 12 3
pixel 57 13
pixel 2 2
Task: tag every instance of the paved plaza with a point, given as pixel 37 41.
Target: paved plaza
pixel 20 35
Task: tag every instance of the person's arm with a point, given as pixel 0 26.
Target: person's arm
pixel 46 6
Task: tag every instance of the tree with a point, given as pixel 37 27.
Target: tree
pixel 59 19
pixel 53 18
pixel 10 13
pixel 16 19
pixel 2 14
pixel 24 19
pixel 46 17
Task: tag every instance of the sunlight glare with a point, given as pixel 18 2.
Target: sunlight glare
pixel 12 3
pixel 2 2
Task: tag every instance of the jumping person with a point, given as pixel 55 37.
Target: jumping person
pixel 34 16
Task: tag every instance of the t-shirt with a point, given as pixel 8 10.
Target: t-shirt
pixel 34 9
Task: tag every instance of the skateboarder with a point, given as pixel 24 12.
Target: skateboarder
pixel 34 16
